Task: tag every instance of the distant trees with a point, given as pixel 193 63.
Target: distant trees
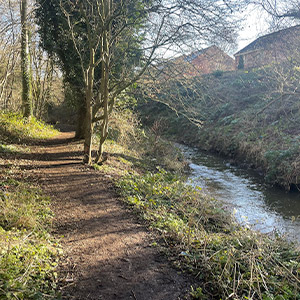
pixel 9 54
pixel 104 47
pixel 25 62
pixel 20 55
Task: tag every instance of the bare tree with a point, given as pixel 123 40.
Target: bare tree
pixel 284 74
pixel 43 73
pixel 283 13
pixel 9 54
pixel 116 41
pixel 40 70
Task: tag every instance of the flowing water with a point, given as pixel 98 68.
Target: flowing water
pixel 268 209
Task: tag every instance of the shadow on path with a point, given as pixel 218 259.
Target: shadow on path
pixel 108 254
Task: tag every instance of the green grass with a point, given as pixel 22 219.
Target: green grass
pixel 4 148
pixel 28 253
pixel 16 129
pixel 230 261
pixel 27 266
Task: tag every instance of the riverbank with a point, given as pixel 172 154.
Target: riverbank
pixel 248 116
pixel 266 208
pixel 228 261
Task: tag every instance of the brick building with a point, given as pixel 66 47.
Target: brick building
pixel 272 48
pixel 204 61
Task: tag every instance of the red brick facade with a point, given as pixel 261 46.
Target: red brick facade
pixel 200 62
pixel 272 48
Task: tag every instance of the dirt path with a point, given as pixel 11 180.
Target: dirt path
pixel 108 254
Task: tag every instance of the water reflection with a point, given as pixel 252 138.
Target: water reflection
pixel 265 208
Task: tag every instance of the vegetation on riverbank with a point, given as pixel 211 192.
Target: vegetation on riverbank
pixel 252 116
pixel 230 261
pixel 28 251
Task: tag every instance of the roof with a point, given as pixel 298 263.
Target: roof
pixel 268 39
pixel 195 54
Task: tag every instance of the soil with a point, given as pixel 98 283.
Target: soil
pixel 108 252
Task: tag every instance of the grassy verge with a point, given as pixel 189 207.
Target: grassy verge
pixel 15 129
pixel 28 252
pixel 230 261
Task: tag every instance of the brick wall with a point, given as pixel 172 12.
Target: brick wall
pixel 281 47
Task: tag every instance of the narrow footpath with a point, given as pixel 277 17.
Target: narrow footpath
pixel 107 252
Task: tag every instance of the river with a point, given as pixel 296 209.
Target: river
pixel 253 202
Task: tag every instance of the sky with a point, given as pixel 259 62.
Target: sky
pixel 255 25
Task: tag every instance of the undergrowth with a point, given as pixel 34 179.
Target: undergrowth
pixel 129 145
pixel 251 116
pixel 28 253
pixel 230 261
pixel 15 129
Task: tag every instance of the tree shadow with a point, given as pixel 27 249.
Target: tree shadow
pixel 144 163
pixel 108 253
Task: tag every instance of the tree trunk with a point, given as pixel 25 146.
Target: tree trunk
pixel 104 126
pixel 25 63
pixel 104 88
pixel 81 122
pixel 88 101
